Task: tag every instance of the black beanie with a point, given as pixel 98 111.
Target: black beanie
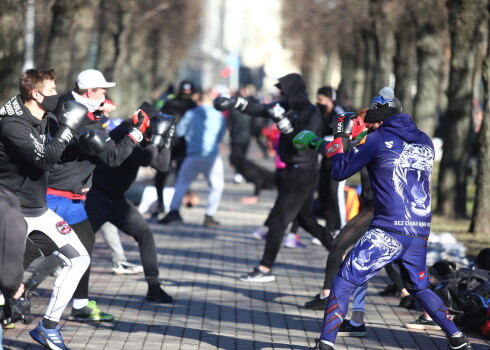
pixel 383 106
pixel 327 91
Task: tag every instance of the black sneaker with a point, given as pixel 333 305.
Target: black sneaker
pixel 258 276
pixel 390 290
pixel 348 330
pixel 158 295
pixel 91 312
pixel 423 323
pixel 407 302
pixel 322 346
pixel 458 342
pixel 209 221
pixel 172 216
pixel 316 303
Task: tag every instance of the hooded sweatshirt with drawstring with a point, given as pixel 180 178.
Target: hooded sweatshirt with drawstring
pixel 399 158
pixel 302 114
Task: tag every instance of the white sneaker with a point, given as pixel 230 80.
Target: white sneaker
pixel 126 268
pixel 316 241
pixel 260 233
pixel 292 242
pixel 238 178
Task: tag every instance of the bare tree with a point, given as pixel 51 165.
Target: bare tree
pixel 404 63
pixel 480 221
pixel 11 46
pixel 465 18
pixel 430 18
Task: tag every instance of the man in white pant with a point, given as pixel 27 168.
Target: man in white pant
pixel 31 142
pixel 204 129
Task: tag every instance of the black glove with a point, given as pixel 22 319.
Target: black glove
pixel 160 125
pixel 92 141
pixel 167 139
pixel 225 103
pixel 71 116
pixel 279 115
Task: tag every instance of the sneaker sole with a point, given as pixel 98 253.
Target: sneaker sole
pixel 351 334
pixel 41 339
pixel 125 272
pixel 422 326
pixel 83 319
pixel 259 280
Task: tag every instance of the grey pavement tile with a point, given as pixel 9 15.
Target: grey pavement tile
pixel 213 309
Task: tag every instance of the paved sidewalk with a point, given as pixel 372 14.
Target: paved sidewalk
pixel 212 308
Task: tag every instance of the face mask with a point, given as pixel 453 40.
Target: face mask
pixel 49 102
pixel 92 105
pixel 322 108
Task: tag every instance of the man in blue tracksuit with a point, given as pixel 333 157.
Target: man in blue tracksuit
pixel 399 158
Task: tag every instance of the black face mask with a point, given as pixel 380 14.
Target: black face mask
pixel 322 108
pixel 49 103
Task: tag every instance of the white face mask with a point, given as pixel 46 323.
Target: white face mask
pixel 92 105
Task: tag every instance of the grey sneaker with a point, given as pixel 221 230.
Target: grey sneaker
pixel 348 330
pixel 423 323
pixel 258 276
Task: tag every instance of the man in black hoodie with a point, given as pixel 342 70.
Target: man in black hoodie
pixel 30 144
pixel 175 107
pixel 295 195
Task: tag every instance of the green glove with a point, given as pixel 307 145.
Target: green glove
pixel 307 139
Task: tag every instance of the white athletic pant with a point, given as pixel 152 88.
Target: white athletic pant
pixel 59 235
pixel 212 169
pixel 110 233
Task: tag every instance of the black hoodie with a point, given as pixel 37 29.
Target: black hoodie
pixel 303 116
pixel 27 152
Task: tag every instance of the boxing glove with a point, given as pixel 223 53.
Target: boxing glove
pixel 167 139
pixel 307 139
pixel 227 103
pixel 160 125
pixel 71 116
pixel 141 122
pixel 347 124
pixel 279 115
pixel 92 141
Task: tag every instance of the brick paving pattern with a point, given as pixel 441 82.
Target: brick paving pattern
pixel 199 267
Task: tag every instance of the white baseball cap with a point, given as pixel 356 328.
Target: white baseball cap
pixel 92 79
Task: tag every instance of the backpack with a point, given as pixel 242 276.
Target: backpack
pixel 459 285
pixel 477 314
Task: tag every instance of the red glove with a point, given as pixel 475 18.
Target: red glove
pixel 338 145
pixel 140 120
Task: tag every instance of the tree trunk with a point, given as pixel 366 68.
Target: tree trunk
pixel 353 74
pixel 429 61
pixel 70 36
pixel 465 18
pixel 11 47
pixel 480 220
pixel 404 67
pixel 371 55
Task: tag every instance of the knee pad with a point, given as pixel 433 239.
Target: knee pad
pixel 72 258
